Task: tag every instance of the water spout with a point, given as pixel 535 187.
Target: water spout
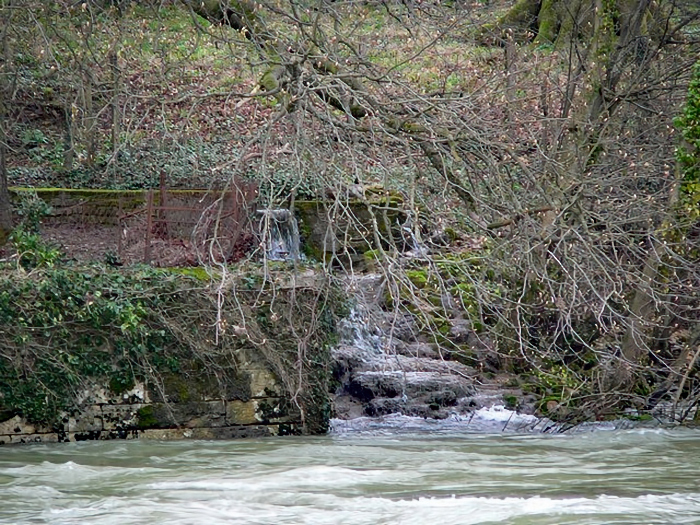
pixel 280 233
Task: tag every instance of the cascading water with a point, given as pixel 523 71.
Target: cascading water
pixel 387 373
pixel 356 332
pixel 280 232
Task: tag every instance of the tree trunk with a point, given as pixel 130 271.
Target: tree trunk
pixel 116 113
pixel 68 142
pixel 550 21
pixel 89 119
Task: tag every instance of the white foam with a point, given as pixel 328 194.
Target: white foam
pixel 485 420
pixel 252 507
pixel 501 413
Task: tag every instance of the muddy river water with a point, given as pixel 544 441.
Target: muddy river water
pixel 355 478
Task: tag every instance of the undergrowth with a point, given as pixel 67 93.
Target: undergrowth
pixel 63 328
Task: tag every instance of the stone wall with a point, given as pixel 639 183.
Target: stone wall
pixel 344 233
pixel 255 378
pixel 143 413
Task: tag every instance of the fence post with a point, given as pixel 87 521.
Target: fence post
pixel 162 204
pixel 149 227
pixel 121 228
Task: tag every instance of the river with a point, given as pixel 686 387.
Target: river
pixel 357 478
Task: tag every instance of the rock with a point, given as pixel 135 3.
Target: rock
pixel 460 331
pixel 347 407
pixel 384 369
pixel 398 327
pixel 418 349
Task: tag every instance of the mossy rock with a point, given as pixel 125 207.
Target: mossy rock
pixel 511 401
pixel 146 417
pixel 326 234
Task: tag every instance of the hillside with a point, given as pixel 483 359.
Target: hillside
pixel 545 182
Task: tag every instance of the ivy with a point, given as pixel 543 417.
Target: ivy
pixel 688 153
pixel 61 329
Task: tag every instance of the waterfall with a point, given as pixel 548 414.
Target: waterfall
pixel 355 331
pixel 280 231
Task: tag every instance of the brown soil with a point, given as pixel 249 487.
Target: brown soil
pixel 83 243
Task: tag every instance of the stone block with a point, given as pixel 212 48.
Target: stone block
pixel 88 435
pixel 242 431
pixel 119 434
pixel 190 415
pixel 51 437
pixel 19 425
pixel 209 414
pixel 119 417
pixel 171 434
pixel 287 429
pixel 273 410
pixel 89 419
pixel 165 434
pixel 230 432
pixel 262 382
pixel 101 395
pixel 16 425
pixel 242 412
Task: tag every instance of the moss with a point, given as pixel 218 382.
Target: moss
pixel 452 234
pixel 548 22
pixel 119 383
pixel 270 81
pixel 146 418
pixel 372 255
pixel 640 417
pixel 419 278
pixel 511 401
pixel 196 272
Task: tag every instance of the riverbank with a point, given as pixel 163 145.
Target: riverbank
pixel 95 352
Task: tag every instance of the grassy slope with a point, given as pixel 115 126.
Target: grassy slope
pixel 180 86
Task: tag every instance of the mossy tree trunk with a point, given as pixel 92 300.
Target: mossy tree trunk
pixel 309 66
pixel 552 21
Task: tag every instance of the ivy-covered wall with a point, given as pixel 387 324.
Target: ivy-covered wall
pixel 95 352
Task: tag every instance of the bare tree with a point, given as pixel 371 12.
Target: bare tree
pixel 581 202
pixel 536 187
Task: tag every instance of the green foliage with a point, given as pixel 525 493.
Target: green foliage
pixel 688 153
pixel 511 402
pixel 64 329
pixel 60 328
pixel 32 251
pixel 559 378
pixel 419 278
pixel 146 417
pixel 33 137
pixel 31 210
pixel 280 185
